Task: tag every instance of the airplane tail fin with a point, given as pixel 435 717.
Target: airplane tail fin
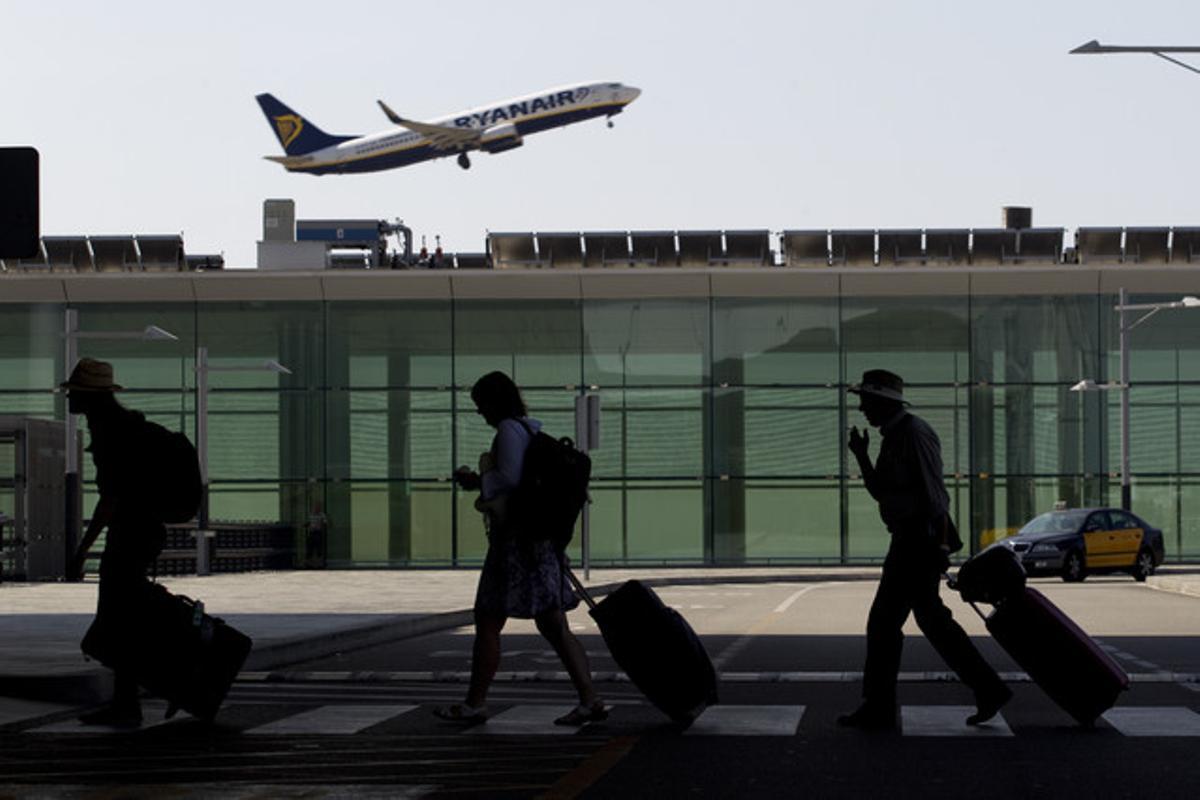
pixel 297 135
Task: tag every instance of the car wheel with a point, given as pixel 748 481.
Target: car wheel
pixel 1144 566
pixel 1074 570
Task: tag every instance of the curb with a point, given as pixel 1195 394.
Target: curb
pixel 1169 583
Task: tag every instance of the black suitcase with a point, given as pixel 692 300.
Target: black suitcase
pixel 174 650
pixel 656 647
pixel 1060 658
pixel 990 576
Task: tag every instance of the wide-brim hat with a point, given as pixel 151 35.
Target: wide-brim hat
pixel 880 383
pixel 91 375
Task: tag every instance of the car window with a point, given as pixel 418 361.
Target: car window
pixel 1123 521
pixel 1055 522
pixel 1098 521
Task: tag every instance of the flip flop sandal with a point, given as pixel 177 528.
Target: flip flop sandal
pixel 461 712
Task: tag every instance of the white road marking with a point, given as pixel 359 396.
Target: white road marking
pixel 152 717
pixel 1154 720
pixel 948 721
pixel 332 720
pixel 786 604
pixel 16 710
pixel 729 720
pixel 531 720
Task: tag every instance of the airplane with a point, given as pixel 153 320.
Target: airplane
pixel 491 129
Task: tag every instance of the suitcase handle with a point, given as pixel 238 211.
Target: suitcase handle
pixel 953 584
pixel 577 586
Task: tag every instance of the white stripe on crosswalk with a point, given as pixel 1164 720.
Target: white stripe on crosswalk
pixel 723 720
pixel 332 720
pixel 532 720
pixel 153 712
pixel 1154 721
pixel 17 710
pixel 948 721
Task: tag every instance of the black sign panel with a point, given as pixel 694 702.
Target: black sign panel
pixel 18 202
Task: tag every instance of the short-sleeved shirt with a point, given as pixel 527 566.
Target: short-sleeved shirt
pixel 508 448
pixel 907 482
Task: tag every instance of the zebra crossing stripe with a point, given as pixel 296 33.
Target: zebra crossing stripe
pixel 153 716
pixel 948 721
pixel 1154 720
pixel 332 720
pixel 729 720
pixel 531 720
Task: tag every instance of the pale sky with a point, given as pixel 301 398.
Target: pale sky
pixel 923 113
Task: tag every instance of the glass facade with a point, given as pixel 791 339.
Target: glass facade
pixel 724 417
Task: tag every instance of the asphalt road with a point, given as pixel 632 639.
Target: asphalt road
pixel 360 724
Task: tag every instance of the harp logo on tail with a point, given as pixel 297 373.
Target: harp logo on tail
pixel 288 127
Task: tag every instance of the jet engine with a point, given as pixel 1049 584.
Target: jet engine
pixel 501 138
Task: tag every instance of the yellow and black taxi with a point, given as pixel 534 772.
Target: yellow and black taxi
pixel 1077 541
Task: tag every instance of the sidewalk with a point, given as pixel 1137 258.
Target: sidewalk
pixel 298 616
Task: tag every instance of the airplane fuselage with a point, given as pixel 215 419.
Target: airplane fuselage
pixel 503 126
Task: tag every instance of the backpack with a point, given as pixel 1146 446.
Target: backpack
pixel 552 491
pixel 173 486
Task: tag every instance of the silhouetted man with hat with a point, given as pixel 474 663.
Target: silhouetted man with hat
pixel 135 536
pixel 906 482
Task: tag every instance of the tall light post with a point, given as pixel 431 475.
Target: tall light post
pixel 1095 48
pixel 71 337
pixel 202 370
pixel 1123 308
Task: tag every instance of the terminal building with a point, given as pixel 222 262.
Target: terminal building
pixel 721 359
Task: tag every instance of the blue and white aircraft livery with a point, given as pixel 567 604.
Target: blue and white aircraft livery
pixel 492 129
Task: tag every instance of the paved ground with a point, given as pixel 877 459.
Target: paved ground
pixel 292 616
pixel 337 701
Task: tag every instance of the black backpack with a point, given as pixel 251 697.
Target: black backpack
pixel 173 488
pixel 552 491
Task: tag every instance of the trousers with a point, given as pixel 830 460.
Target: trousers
pixel 910 584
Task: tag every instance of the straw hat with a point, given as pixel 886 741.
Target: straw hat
pixel 880 383
pixel 91 375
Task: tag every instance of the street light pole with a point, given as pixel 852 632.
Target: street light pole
pixel 1095 48
pixel 1126 489
pixel 202 369
pixel 1087 385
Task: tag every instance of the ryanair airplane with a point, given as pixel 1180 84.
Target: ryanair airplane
pixel 492 129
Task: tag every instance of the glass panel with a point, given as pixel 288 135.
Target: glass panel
pixel 761 341
pixel 31 347
pixel 922 339
pixel 645 342
pixel 241 337
pixel 393 344
pixel 781 520
pixel 1044 339
pixel 393 434
pixel 777 432
pixel 536 343
pixel 665 521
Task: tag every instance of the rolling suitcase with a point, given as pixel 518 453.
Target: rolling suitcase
pixel 656 647
pixel 1060 658
pixel 174 650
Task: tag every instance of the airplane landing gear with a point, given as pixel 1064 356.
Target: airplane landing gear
pixel 463 161
pixel 610 123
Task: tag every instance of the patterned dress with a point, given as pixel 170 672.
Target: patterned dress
pixel 521 580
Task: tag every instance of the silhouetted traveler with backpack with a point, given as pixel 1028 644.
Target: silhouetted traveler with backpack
pixel 135 529
pixel 906 482
pixel 522 577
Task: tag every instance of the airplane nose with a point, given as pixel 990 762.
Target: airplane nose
pixel 631 94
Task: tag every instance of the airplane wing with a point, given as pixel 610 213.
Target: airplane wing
pixel 443 137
